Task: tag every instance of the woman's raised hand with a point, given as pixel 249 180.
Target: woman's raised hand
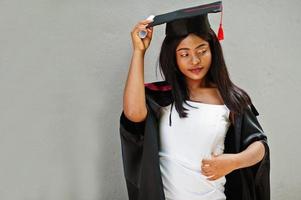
pixel 138 43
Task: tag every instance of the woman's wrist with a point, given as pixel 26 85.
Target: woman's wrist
pixel 236 161
pixel 139 52
pixel 250 156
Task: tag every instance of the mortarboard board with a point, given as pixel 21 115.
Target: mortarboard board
pixel 184 21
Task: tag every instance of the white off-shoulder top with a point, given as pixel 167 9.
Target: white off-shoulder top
pixel 184 144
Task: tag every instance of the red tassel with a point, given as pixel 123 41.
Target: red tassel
pixel 220 34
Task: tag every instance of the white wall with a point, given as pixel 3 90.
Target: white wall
pixel 63 65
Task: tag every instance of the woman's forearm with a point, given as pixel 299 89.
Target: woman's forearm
pixel 250 156
pixel 134 105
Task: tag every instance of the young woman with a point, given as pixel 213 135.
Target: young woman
pixel 193 136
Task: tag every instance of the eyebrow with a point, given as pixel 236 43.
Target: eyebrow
pixel 203 44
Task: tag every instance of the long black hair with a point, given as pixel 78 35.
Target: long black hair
pixel 234 97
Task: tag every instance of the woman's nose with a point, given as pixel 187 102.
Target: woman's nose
pixel 195 59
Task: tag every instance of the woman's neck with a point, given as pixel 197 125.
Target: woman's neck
pixel 196 85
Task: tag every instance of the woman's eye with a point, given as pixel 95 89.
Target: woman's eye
pixel 202 52
pixel 184 55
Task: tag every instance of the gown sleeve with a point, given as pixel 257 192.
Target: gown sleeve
pixel 259 174
pixel 139 142
pixel 251 128
pixel 132 139
pixel 133 131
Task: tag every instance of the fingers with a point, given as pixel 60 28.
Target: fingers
pixel 141 41
pixel 138 28
pixel 145 22
pixel 209 173
pixel 212 178
pixel 207 161
pixel 206 167
pixel 149 32
pixel 142 26
pixel 210 169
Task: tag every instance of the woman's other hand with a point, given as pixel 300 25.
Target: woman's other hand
pixel 218 166
pixel 221 165
pixel 138 43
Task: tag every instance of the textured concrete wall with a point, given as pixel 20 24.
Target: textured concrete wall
pixel 63 65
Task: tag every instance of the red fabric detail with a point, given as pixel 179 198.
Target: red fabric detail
pixel 220 34
pixel 155 87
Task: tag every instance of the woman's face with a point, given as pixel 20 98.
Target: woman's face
pixel 193 57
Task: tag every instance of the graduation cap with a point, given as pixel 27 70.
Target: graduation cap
pixel 189 20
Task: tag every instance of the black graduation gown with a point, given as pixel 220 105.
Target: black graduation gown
pixel 140 147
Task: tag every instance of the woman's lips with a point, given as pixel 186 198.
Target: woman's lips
pixel 196 70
